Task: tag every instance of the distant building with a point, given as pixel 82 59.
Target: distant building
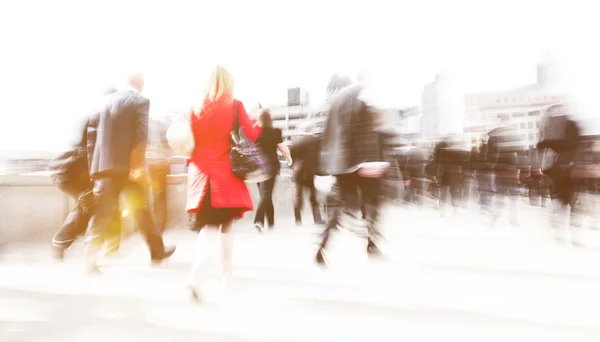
pixel 524 106
pixel 408 122
pixel 442 108
pixel 288 118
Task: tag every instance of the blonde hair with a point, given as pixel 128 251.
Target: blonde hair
pixel 220 83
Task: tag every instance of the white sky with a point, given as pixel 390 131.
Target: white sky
pixel 57 54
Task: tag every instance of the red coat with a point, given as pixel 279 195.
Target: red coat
pixel 210 160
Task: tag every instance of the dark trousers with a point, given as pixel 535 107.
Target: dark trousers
pixel 452 189
pixel 354 197
pixel 486 189
pixel 107 191
pixel 539 190
pixel 265 207
pixel 506 192
pixel 158 180
pixel 76 222
pixel 298 201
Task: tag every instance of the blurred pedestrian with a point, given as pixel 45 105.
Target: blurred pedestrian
pixel 117 135
pixel 71 175
pixel 352 151
pixel 559 142
pixel 270 141
pixel 305 154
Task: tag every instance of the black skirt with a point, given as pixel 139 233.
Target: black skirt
pixel 208 215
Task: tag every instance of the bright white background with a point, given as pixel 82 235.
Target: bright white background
pixel 57 55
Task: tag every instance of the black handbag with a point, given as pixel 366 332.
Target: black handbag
pixel 248 161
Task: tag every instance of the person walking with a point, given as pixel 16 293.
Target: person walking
pixel 352 152
pixel 215 196
pixel 116 145
pixel 270 141
pixel 305 154
pixel 70 173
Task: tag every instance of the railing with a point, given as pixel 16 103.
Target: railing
pixel 20 166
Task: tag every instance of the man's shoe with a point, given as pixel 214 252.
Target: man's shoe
pixel 167 252
pixel 373 251
pixel 320 258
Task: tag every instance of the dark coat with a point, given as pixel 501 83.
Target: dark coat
pixel 564 149
pixel 115 130
pixel 350 137
pixel 305 154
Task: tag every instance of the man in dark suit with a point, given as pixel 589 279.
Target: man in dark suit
pixel 305 154
pixel 350 140
pixel 116 144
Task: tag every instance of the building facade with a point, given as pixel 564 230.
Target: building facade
pixel 442 107
pixel 408 122
pixel 523 106
pixel 289 118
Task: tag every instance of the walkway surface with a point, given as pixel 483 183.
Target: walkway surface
pixel 444 279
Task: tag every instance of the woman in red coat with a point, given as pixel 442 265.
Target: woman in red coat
pixel 215 196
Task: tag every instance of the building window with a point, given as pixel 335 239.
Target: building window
pixel 536 113
pixel 518 115
pixel 530 125
pixel 530 136
pixel 537 124
pixel 522 125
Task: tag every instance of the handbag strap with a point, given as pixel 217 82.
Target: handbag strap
pixel 236 122
pixel 235 132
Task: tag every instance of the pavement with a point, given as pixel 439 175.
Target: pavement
pixel 443 278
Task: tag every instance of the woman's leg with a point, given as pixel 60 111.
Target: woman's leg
pixel 205 245
pixel 270 209
pixel 298 190
pixel 226 237
pixel 259 215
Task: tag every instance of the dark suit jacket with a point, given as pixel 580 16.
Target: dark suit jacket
pixel 305 154
pixel 114 131
pixel 350 137
pixel 567 147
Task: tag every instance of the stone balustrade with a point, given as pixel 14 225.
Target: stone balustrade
pixel 33 208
